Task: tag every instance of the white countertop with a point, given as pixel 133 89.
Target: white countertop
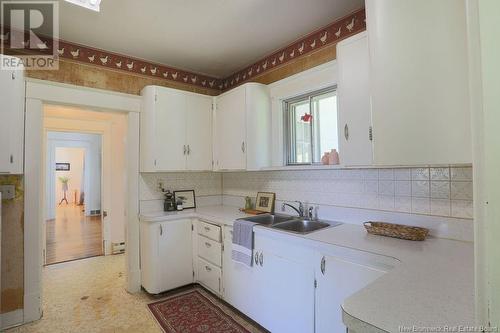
pixel 224 215
pixel 432 286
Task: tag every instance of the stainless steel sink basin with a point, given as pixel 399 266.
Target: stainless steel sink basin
pixel 302 226
pixel 269 219
pixel 294 224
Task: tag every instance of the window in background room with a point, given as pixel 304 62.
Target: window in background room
pixel 310 126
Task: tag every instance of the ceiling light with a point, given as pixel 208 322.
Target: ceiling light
pixel 89 4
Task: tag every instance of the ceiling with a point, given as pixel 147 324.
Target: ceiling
pixel 211 37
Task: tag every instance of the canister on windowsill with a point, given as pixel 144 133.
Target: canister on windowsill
pixel 333 157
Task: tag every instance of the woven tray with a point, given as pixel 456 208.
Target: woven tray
pixel 396 230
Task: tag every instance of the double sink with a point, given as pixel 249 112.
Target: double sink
pixel 294 224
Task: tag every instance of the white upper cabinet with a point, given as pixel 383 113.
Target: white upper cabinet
pixel 176 130
pixel 243 128
pixel 199 132
pixel 419 82
pixel 11 120
pixel 353 94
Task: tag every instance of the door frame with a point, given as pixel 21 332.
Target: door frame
pixel 38 93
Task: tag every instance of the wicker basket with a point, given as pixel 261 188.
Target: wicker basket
pixel 396 230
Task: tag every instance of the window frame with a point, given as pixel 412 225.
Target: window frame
pixel 287 128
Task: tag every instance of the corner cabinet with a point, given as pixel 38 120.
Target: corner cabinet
pixel 176 130
pixel 12 95
pixel 353 93
pixel 340 275
pixel 243 128
pixel 419 82
pixel 166 255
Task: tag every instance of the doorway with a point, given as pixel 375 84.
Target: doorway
pixel 85 182
pixel 73 223
pixel 40 94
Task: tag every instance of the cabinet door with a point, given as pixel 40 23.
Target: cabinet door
pixel 230 130
pixel 175 254
pixel 353 93
pixel 239 283
pixel 419 82
pixel 170 122
pixel 199 132
pixel 337 280
pixel 285 295
pixel 11 121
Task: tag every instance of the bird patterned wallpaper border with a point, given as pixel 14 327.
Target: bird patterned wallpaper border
pixel 331 34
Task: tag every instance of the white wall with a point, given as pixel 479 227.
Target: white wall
pixel 75 157
pixel 92 145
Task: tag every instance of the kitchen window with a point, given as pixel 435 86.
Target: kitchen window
pixel 310 126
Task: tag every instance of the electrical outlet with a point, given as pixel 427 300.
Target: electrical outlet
pixel 8 191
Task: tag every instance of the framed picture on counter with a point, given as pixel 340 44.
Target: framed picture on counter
pixel 187 197
pixel 265 202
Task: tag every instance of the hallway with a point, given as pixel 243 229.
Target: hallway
pixel 72 235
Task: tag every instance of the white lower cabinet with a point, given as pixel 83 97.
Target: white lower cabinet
pixel 340 276
pixel 209 275
pixel 209 256
pixel 289 288
pixel 166 255
pixel 238 280
pixel 276 292
pixel 285 292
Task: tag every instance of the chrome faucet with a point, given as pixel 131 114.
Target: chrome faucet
pixel 299 210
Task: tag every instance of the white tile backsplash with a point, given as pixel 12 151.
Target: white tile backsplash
pixel 445 192
pixel 407 190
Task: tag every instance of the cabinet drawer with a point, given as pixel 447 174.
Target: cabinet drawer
pixel 210 250
pixel 209 275
pixel 209 230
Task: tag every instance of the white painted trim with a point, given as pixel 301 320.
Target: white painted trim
pixel 33 209
pixel 132 225
pixel 39 93
pixel 11 319
pixel 59 93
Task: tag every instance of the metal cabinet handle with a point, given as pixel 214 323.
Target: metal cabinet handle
pixel 346 132
pixel 323 265
pixel 161 230
pixel 208 269
pixel 256 258
pixel 207 244
pixel 261 259
pixel 243 146
pixel 207 229
pixel 188 149
pixel 185 149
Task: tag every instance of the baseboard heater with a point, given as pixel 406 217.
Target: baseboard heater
pixel 117 248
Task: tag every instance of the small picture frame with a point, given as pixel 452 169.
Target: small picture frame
pixel 63 167
pixel 265 202
pixel 187 197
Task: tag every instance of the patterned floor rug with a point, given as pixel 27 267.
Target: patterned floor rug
pixel 196 310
